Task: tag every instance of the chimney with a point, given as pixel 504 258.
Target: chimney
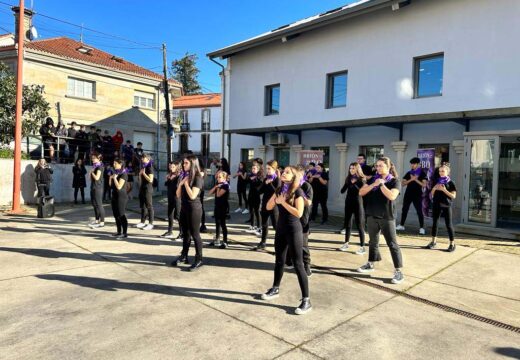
pixel 27 22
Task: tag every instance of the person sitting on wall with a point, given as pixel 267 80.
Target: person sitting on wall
pixel 415 181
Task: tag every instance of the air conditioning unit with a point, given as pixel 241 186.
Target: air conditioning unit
pixel 277 139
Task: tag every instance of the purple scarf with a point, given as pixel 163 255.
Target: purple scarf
pixel 122 171
pixel 377 176
pixel 312 172
pixel 272 177
pixel 253 176
pixel 416 172
pixel 222 184
pixel 443 180
pixel 144 166
pixel 183 175
pixel 97 165
pixel 285 189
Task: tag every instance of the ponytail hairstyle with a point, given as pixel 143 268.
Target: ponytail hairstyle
pixel 293 186
pixel 194 168
pixel 391 167
pixel 359 172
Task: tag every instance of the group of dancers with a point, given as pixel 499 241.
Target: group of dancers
pixel 287 199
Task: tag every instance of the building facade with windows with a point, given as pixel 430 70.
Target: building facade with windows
pixel 390 77
pixel 92 87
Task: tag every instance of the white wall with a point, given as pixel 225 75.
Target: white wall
pixel 480 64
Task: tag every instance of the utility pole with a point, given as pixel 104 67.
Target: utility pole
pixel 169 131
pixel 18 117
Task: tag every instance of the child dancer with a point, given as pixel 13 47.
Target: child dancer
pixel 221 191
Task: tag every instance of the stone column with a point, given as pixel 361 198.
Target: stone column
pixel 342 149
pixel 262 150
pixel 294 153
pixel 399 148
pixel 458 166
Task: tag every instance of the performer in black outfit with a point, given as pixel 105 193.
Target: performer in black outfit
pixel 96 191
pixel 79 182
pixel 354 206
pixel 305 219
pixel 191 211
pixel 414 180
pixel 221 191
pixel 443 194
pixel 145 192
pixel 43 177
pixel 203 228
pixel 255 180
pixel 241 174
pixel 269 186
pixel 319 182
pixel 289 199
pixel 119 198
pixel 381 193
pixel 171 183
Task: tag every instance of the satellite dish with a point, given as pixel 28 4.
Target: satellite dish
pixel 33 33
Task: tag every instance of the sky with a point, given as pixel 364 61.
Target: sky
pixel 198 26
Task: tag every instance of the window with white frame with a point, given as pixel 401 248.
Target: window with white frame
pixel 144 100
pixel 205 120
pixel 81 88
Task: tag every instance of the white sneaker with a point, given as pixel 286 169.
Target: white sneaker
pixel 148 227
pixel 245 212
pixel 343 247
pixel 250 229
pixel 399 228
pixel 93 222
pixel 368 267
pixel 361 251
pixel 343 231
pixel 258 232
pixel 422 231
pixel 140 225
pixel 97 225
pixel 238 210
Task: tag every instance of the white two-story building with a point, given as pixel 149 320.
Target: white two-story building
pixel 389 77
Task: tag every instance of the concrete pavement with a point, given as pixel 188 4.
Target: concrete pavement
pixel 72 292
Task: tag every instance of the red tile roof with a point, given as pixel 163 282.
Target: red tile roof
pixel 196 101
pixel 68 48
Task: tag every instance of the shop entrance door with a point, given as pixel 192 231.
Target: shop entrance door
pixel 508 209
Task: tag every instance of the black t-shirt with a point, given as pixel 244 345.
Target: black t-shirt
pixel 367 170
pixel 171 186
pixel 307 190
pixel 287 221
pixel 268 190
pixel 241 183
pixel 254 189
pixel 352 188
pixel 221 202
pixel 320 190
pixel 145 184
pixel 97 184
pixel 441 199
pixel 378 205
pixel 413 189
pixel 185 199
pixel 121 192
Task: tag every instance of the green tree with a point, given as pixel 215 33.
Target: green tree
pixel 34 106
pixel 186 72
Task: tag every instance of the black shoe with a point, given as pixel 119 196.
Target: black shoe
pixel 431 245
pixel 260 246
pixel 304 307
pixel 224 245
pixel 115 235
pixel 75 202
pixel 247 221
pixel 179 260
pixel 179 237
pixel 196 265
pixel 323 222
pixel 308 270
pixel 272 293
pixel 166 234
pixel 228 217
pixel 451 248
pixel 203 229
pixel 83 202
pixel 121 237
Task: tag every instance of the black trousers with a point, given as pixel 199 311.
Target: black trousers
pixel 358 213
pixel 82 191
pixel 43 189
pixel 437 211
pixel 107 192
pixel 190 227
pixel 266 215
pixel 96 198
pixel 119 212
pixel 291 238
pixel 306 251
pixel 320 200
pixel 242 193
pixel 220 222
pixel 145 202
pixel 173 212
pixel 387 228
pixel 203 216
pixel 254 213
pixel 417 203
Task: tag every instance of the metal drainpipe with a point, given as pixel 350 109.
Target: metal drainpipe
pixel 222 147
